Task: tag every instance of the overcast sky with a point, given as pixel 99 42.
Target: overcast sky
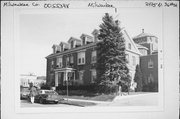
pixel 38 32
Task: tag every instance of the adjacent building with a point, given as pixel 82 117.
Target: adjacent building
pixel 148 46
pixel 26 79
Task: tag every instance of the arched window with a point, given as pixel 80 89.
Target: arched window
pixel 129 46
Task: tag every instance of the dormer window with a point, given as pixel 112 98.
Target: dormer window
pixel 86 39
pixel 62 49
pixel 72 44
pixel 64 46
pixel 56 48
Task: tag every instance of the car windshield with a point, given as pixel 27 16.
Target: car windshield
pixel 50 92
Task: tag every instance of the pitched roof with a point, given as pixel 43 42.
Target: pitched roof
pixel 73 38
pixel 65 44
pixel 86 35
pixel 143 34
pixel 129 39
pixel 140 46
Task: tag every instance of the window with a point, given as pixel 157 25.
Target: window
pixel 52 64
pixel 93 75
pixel 62 48
pixel 127 57
pixel 129 46
pixel 81 58
pixel 150 64
pixel 67 61
pixel 134 60
pixel 150 78
pixel 71 59
pixel 84 42
pixel 72 44
pixel 93 57
pixel 59 62
pixel 81 75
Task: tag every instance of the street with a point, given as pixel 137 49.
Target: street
pixel 25 103
pixel 149 99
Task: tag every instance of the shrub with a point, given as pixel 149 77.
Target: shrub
pixel 89 88
pixel 45 86
pixel 151 87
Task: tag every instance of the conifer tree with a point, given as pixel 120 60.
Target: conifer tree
pixel 111 60
pixel 138 79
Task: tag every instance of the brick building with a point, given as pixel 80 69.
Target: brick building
pixel 76 60
pixel 148 46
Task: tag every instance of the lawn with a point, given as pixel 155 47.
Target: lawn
pixel 98 97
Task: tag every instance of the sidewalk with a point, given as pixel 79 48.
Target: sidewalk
pixel 92 101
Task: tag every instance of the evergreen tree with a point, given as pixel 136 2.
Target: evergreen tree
pixel 138 79
pixel 111 60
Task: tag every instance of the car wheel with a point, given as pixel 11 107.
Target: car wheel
pixel 41 101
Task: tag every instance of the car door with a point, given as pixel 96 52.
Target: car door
pixel 38 95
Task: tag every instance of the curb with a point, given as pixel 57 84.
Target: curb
pixel 86 100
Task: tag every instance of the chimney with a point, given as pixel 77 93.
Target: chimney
pixel 95 34
pixel 142 30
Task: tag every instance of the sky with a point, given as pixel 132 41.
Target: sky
pixel 38 32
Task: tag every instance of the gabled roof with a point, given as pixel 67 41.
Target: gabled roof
pixel 55 45
pixel 85 35
pixel 73 38
pixel 95 31
pixel 65 44
pixel 124 32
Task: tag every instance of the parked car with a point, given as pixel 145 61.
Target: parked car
pixel 24 94
pixel 47 96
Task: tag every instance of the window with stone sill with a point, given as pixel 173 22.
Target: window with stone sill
pixel 81 58
pixel 127 58
pixel 134 60
pixel 71 59
pixel 93 57
pixel 93 76
pixel 59 62
pixel 81 74
pixel 67 61
pixel 52 65
pixel 150 64
pixel 150 79
pixel 129 46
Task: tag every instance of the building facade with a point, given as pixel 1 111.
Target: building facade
pixel 148 46
pixel 76 60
